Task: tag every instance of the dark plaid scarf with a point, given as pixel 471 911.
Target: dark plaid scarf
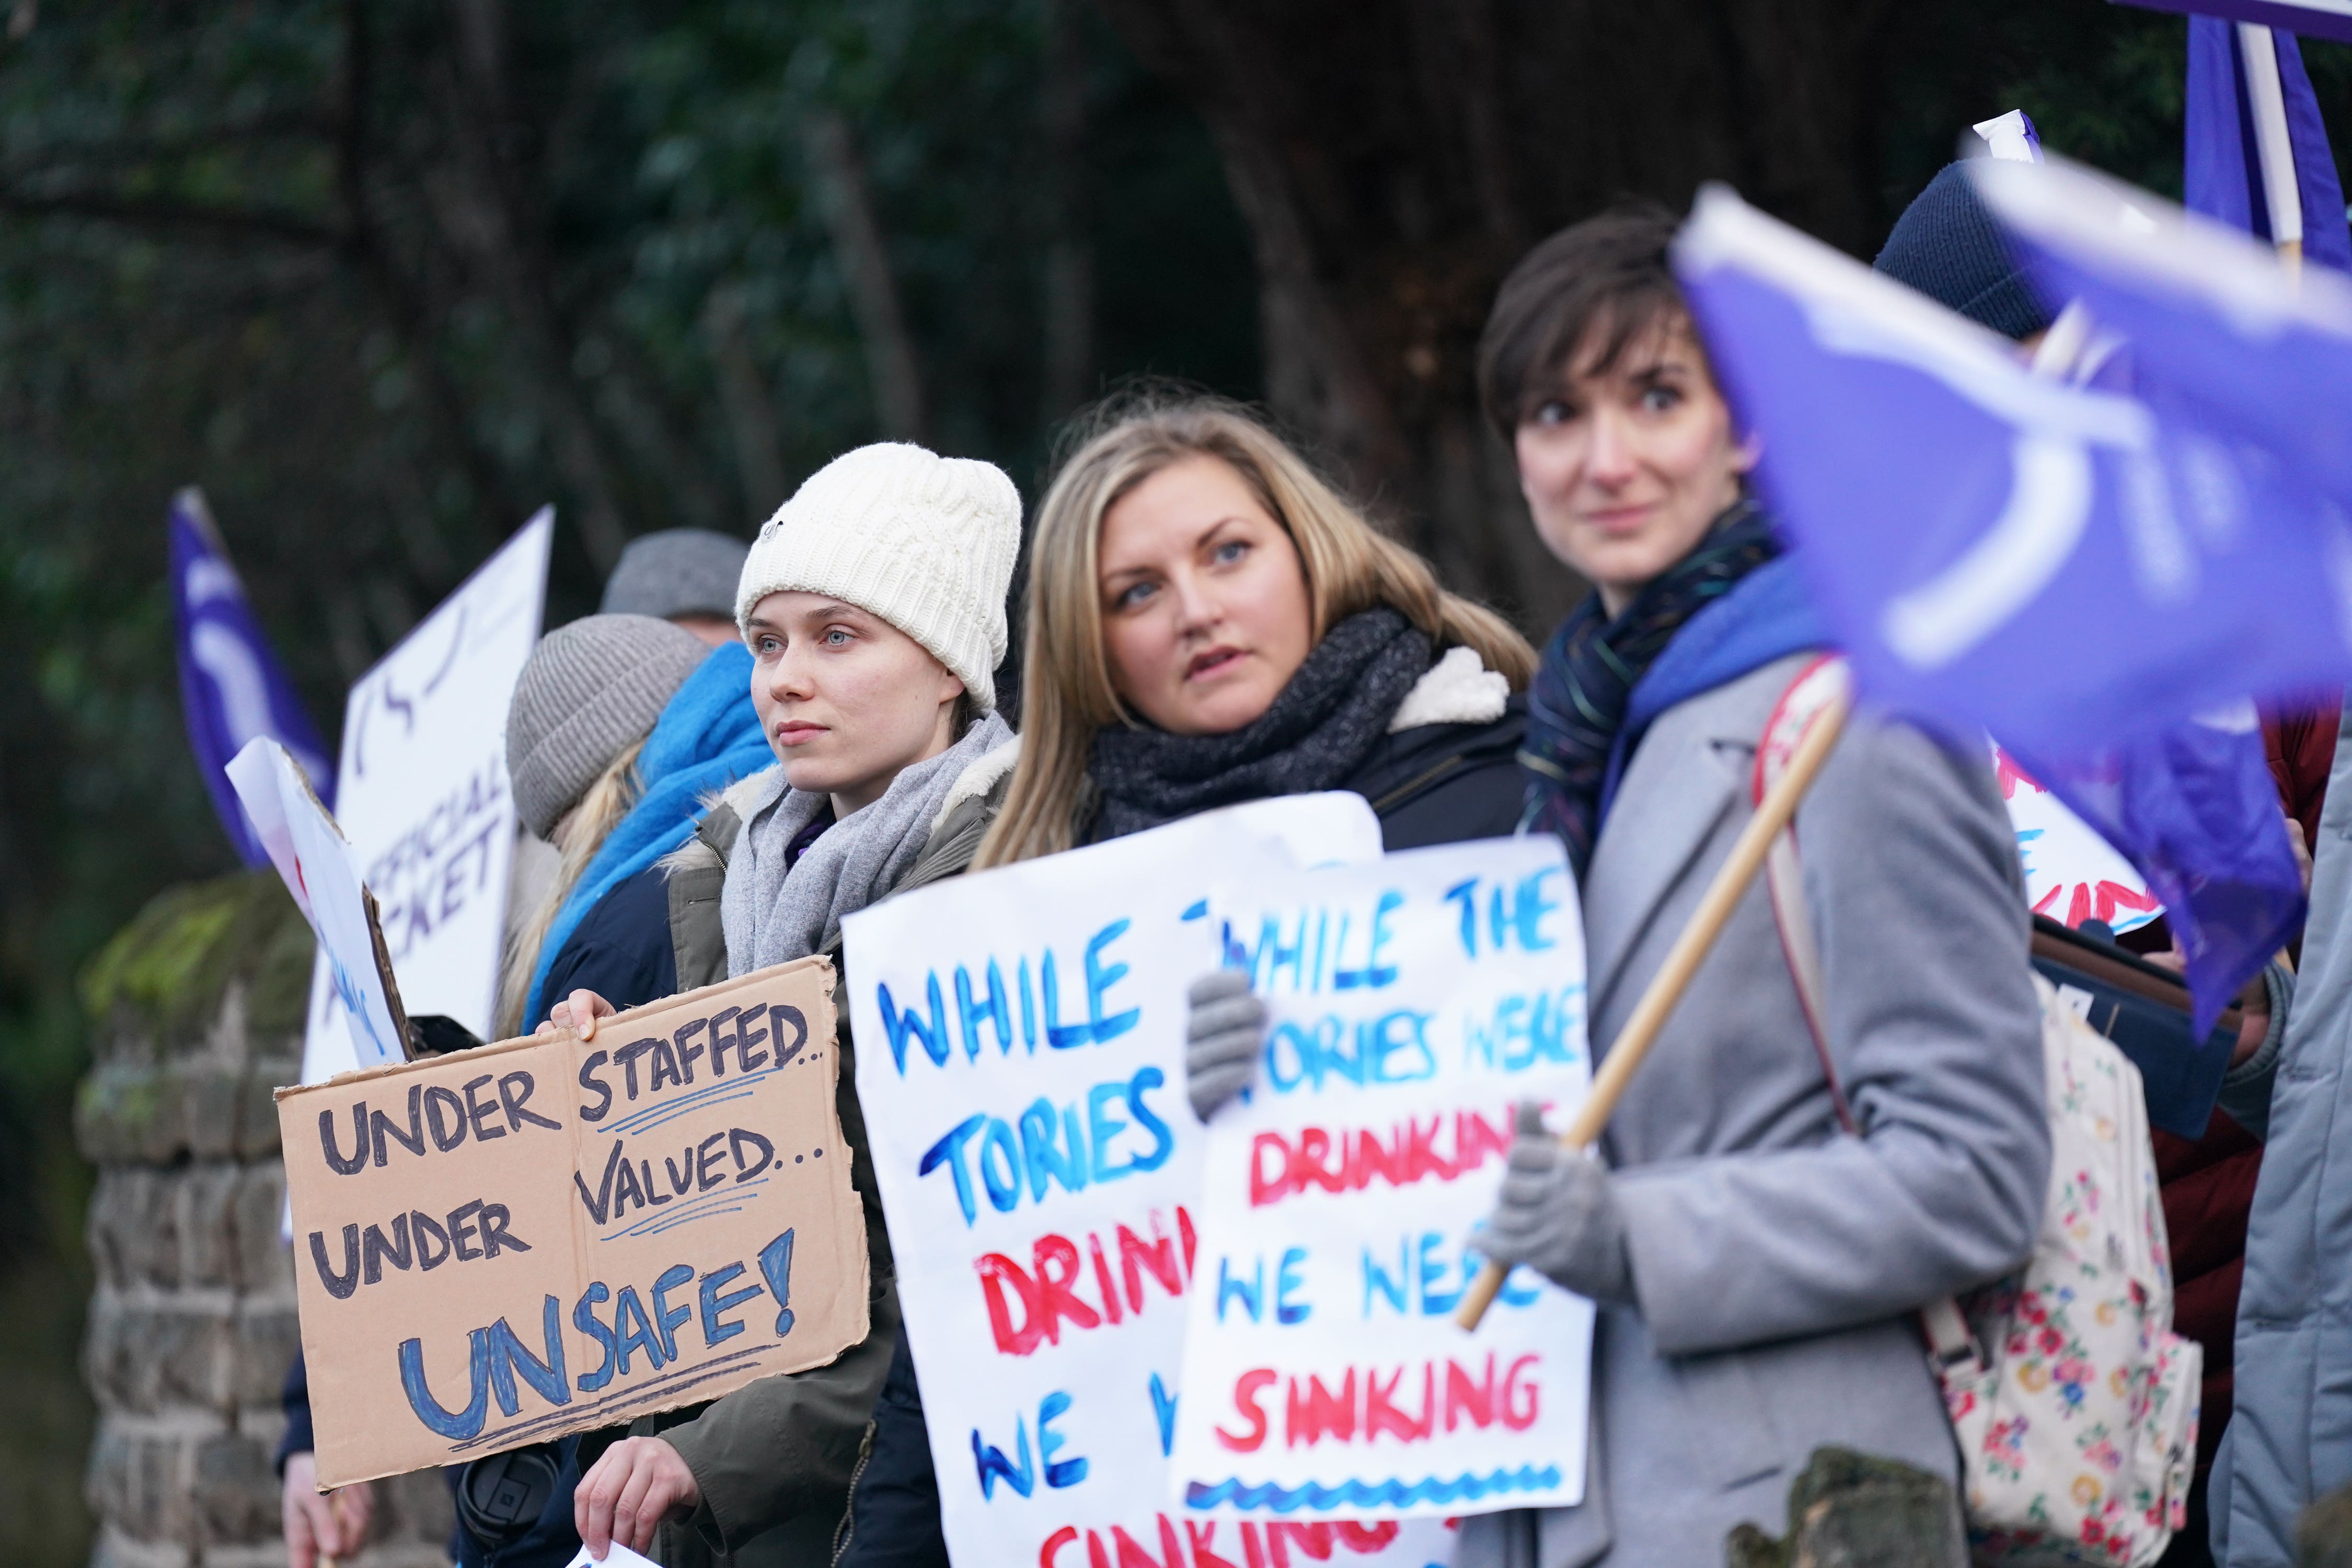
pixel 1593 664
pixel 1319 732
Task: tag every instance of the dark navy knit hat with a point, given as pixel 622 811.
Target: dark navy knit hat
pixel 1947 245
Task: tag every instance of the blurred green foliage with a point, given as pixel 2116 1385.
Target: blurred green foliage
pixel 361 270
pixel 351 267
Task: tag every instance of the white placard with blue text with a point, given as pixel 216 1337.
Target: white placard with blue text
pixel 421 793
pixel 1020 1063
pixel 1415 1001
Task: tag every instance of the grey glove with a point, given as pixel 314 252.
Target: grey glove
pixel 1558 1214
pixel 1222 1032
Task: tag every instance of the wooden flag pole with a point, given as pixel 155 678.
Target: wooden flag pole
pixel 2282 191
pixel 1690 949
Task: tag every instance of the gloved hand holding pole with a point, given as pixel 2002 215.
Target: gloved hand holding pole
pixel 1650 1014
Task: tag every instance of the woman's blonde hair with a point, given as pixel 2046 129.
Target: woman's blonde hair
pixel 582 832
pixel 1066 692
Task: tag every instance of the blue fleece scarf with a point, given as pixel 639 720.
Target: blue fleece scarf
pixel 1769 615
pixel 707 738
pixel 1576 704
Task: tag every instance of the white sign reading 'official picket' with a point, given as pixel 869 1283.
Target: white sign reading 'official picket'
pixel 422 795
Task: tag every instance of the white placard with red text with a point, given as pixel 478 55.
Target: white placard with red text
pixel 1021 1065
pixel 2072 874
pixel 1416 1000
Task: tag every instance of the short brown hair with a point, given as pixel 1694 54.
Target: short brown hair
pixel 1604 282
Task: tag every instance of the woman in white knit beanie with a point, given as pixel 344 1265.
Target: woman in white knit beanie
pixel 873 605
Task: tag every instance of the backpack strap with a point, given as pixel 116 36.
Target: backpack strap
pixel 1814 689
pixel 1951 1347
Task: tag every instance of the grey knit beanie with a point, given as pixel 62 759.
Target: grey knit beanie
pixel 1947 245
pixel 592 690
pixel 677 572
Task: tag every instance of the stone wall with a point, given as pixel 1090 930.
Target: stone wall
pixel 199 1006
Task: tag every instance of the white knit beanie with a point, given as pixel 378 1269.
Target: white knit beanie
pixel 926 543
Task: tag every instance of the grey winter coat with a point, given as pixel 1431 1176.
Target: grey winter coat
pixel 2290 1438
pixel 1775 1259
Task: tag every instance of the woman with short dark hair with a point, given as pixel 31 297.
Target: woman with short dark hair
pixel 1756 1266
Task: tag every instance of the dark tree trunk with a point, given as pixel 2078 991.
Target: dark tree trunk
pixel 743 396
pixel 892 362
pixel 1069 283
pixel 1394 158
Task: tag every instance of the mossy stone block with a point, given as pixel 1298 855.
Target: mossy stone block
pixel 1853 1511
pixel 121 1113
pixel 211 1104
pixel 2322 1537
pixel 235 1488
pixel 172 965
pixel 257 1115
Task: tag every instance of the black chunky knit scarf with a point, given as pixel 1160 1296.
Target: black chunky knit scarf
pixel 1592 663
pixel 1319 732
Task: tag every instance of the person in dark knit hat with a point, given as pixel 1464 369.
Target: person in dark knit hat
pixel 1947 245
pixel 686 577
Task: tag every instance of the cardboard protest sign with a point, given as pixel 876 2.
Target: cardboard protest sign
pixel 2072 874
pixel 545 1236
pixel 421 792
pixel 1021 1066
pixel 317 864
pixel 1415 1001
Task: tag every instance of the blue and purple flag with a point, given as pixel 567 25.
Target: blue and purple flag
pixel 2313 18
pixel 232 689
pixel 2100 577
pixel 2230 90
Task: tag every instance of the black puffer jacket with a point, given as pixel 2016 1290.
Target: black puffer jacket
pixel 1443 784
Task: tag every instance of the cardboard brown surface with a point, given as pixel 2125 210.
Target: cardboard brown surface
pixel 520 1217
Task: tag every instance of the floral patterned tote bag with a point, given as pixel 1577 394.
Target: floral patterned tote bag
pixel 2073 1403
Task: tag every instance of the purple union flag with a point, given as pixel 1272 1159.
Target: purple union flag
pixel 232 688
pixel 2084 571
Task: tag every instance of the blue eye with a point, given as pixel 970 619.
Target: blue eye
pixel 1230 551
pixel 837 636
pixel 1660 399
pixel 1133 595
pixel 1552 412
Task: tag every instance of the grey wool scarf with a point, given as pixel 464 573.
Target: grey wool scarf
pixel 772 915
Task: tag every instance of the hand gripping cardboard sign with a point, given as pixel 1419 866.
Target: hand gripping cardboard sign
pixel 549 1235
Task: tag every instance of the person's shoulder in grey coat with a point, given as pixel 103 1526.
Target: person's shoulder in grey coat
pixel 1777 1262
pixel 2289 1442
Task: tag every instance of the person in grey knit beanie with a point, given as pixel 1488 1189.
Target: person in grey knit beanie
pixel 592 690
pixel 682 575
